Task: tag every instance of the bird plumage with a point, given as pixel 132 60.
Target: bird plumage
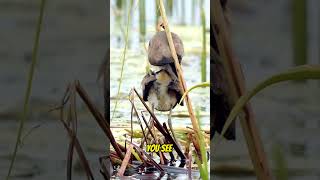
pixel 219 90
pixel 159 52
pixel 161 90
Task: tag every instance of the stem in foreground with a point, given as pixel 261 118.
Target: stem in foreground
pixel 29 85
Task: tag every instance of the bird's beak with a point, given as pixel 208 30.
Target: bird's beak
pixel 160 25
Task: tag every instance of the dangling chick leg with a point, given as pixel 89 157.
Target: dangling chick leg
pixel 170 125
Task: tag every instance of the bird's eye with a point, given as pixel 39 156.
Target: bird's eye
pixel 149 44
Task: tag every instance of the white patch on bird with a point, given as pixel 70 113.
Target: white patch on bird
pixel 152 98
pixel 155 68
pixel 158 96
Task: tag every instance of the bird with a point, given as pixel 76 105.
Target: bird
pixel 159 53
pixel 219 90
pixel 161 88
pixel 221 103
pixel 162 92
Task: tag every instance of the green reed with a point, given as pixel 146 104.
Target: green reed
pixel 29 85
pixel 299 32
pixel 204 45
pixel 142 19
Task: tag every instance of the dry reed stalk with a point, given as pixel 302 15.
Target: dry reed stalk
pixel 99 118
pixel 156 165
pixel 237 87
pixel 161 128
pixel 182 82
pixel 125 161
pixel 71 128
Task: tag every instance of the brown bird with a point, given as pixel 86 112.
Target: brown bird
pixel 220 91
pixel 159 53
pixel 221 103
pixel 161 88
pixel 162 92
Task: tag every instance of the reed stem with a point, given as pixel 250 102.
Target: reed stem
pixel 236 84
pixel 142 19
pixel 299 23
pixel 182 82
pixel 204 45
pixel 29 84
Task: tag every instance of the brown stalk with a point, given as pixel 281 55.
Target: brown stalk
pixel 187 146
pixel 161 129
pixel 125 161
pixel 167 130
pixel 237 87
pixel 99 118
pixel 84 162
pixel 161 155
pixel 138 117
pixel 105 167
pixel 148 127
pixel 65 99
pixel 182 82
pixel 189 164
pixel 196 147
pixel 148 156
pixel 72 121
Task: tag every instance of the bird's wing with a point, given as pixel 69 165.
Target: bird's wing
pixel 221 103
pixel 174 86
pixel 146 84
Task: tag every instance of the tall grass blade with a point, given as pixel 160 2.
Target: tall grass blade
pixel 29 84
pixel 204 45
pixel 83 160
pixel 281 166
pixel 235 82
pixel 299 32
pixel 202 85
pixel 182 82
pixel 123 58
pixel 203 164
pixel 142 19
pixel 169 4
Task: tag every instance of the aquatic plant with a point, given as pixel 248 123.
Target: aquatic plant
pixel 236 88
pixel 123 57
pixel 27 95
pixel 299 32
pixel 194 120
pixel 204 44
pixel 142 19
pixel 296 73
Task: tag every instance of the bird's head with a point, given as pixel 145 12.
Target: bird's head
pixel 160 25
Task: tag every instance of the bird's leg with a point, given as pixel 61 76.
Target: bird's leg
pixel 170 125
pixel 152 122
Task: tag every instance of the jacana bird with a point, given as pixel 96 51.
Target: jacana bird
pixel 161 88
pixel 159 53
pixel 219 91
pixel 162 92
